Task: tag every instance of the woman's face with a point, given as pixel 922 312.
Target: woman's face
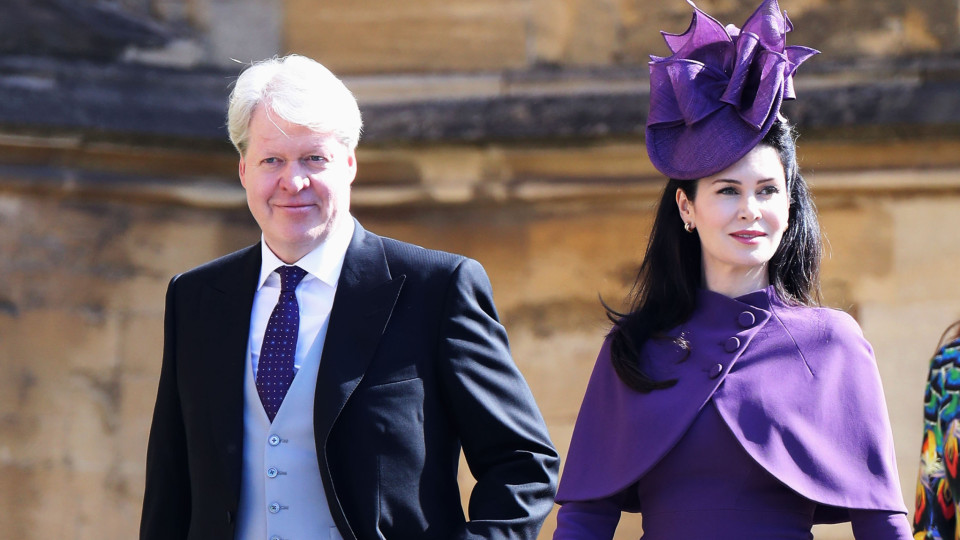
pixel 740 215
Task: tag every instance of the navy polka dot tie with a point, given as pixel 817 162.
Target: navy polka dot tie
pixel 275 367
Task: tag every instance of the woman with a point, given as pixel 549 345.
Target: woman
pixel 725 404
pixel 936 513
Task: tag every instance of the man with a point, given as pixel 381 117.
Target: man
pixel 321 383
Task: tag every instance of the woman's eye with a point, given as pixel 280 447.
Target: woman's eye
pixel 769 190
pixel 727 191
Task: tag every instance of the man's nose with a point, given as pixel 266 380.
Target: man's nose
pixel 295 178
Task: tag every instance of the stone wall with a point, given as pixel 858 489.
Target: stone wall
pixel 85 267
pixel 430 36
pixel 463 35
pixel 506 130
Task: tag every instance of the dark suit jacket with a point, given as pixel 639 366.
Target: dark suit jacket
pixel 415 364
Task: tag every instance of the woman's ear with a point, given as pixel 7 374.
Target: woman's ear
pixel 685 205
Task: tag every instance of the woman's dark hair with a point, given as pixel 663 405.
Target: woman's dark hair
pixel 665 291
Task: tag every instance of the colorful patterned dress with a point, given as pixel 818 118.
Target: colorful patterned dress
pixel 937 486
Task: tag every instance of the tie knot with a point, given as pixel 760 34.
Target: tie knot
pixel 290 276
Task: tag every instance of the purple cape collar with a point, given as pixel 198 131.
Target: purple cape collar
pixel 797 386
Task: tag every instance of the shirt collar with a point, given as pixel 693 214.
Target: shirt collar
pixel 323 263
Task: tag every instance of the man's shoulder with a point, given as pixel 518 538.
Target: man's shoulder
pixel 226 263
pixel 423 265
pixel 403 253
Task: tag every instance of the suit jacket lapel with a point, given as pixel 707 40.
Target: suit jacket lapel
pixel 227 304
pixel 365 298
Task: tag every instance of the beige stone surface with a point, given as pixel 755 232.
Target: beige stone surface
pixel 429 35
pixel 141 335
pixel 417 36
pixel 576 32
pixel 858 28
pixel 834 155
pixel 627 159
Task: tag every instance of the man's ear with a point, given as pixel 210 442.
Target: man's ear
pixel 352 164
pixel 243 172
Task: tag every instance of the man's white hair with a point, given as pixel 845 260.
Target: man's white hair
pixel 299 90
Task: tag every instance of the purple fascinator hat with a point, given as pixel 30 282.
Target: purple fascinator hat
pixel 719 93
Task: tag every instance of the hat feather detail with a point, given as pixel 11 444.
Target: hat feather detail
pixel 712 67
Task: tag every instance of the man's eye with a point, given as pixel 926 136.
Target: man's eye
pixel 271 160
pixel 317 159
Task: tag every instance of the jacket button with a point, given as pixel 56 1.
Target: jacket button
pixel 716 370
pixel 275 537
pixel 272 472
pixel 732 344
pixel 274 440
pixel 274 508
pixel 746 319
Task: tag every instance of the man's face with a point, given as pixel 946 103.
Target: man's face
pixel 297 183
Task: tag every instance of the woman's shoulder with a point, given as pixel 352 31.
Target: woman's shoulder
pixel 829 321
pixel 839 323
pixel 824 333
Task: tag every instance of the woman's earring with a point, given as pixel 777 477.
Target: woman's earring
pixel 688 226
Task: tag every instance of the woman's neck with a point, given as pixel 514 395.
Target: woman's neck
pixel 736 282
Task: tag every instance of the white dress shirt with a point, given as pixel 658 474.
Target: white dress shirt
pixel 314 294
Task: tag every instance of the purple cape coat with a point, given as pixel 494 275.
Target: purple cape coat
pixel 798 387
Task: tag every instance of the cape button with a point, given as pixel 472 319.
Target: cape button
pixel 716 370
pixel 746 319
pixel 732 344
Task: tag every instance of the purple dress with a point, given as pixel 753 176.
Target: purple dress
pixel 777 422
